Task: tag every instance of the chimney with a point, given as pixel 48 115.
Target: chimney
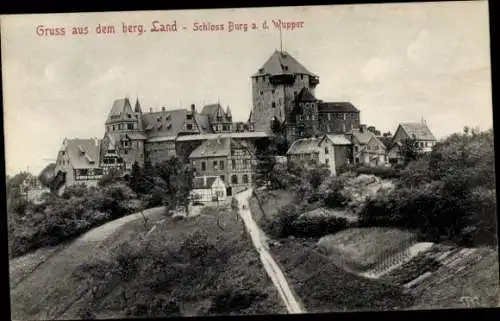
pixel 193 109
pixel 362 128
pixel 204 180
pixel 163 109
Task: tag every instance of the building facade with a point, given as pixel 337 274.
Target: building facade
pixel 335 151
pixel 229 159
pixel 78 163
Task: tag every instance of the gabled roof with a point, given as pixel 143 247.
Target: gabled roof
pixel 199 182
pixel 387 141
pixel 203 123
pixel 419 130
pixel 362 137
pixel 211 109
pixel 305 95
pixel 82 153
pixel 120 107
pixel 218 147
pixel 337 107
pixel 164 123
pixel 377 141
pixel 338 139
pixel 282 63
pixel 304 146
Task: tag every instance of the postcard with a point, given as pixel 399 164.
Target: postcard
pixel 250 161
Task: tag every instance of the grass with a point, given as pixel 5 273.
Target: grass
pixel 186 267
pixel 323 287
pixel 362 248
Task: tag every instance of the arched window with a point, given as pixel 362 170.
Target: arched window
pixel 234 179
pixel 245 179
pixel 233 163
pixel 203 166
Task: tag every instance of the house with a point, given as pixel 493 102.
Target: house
pixel 78 163
pixel 208 189
pixel 304 150
pixel 227 158
pixel 335 151
pixel 367 148
pixel 418 131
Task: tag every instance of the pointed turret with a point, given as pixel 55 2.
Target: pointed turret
pixel 228 113
pixel 137 108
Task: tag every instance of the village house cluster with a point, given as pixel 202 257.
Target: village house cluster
pixel 222 150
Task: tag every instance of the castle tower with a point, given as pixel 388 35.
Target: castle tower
pixel 274 88
pixel 124 132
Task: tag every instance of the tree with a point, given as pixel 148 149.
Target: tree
pixel 410 149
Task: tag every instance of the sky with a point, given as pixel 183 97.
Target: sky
pixel 394 62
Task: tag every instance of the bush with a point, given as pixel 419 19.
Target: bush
pixel 62 218
pixel 281 224
pixel 232 299
pixel 318 226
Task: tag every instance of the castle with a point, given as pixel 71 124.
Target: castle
pixel 283 101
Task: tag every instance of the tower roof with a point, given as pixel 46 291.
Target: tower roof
pixel 282 63
pixel 137 108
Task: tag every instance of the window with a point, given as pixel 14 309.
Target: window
pixel 355 148
pixel 120 126
pixel 113 127
pixel 261 93
pixel 326 150
pixel 246 162
pixel 215 165
pixel 273 104
pixel 130 126
pixel 273 91
pixel 129 116
pixel 203 166
pixel 329 115
pixel 189 126
pixel 245 179
pixel 327 161
pixel 233 163
pixel 222 178
pixel 83 172
pixel 221 165
pixel 301 77
pixel 189 116
pixel 234 179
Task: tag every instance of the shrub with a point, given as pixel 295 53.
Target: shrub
pixel 318 226
pixel 231 299
pixel 281 224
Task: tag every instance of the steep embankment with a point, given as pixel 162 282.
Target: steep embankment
pixel 43 286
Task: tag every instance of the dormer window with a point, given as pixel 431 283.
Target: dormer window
pixel 158 118
pixel 129 116
pixel 169 126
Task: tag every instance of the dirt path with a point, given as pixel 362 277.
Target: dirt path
pixel 260 244
pixel 49 290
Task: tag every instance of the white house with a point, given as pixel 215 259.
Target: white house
pixel 335 151
pixel 208 189
pixel 419 131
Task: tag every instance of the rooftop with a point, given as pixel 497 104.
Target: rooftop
pixel 282 63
